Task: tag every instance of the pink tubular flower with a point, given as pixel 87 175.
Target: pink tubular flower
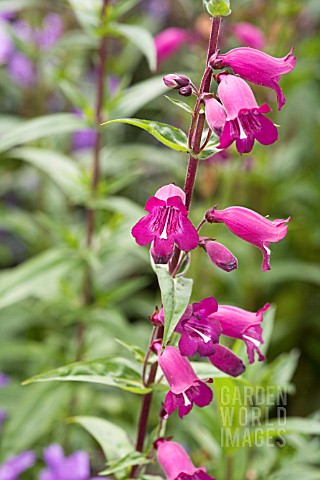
pixel 176 463
pixel 199 333
pixel 215 114
pixel 245 120
pixel 169 41
pixel 166 224
pixel 219 254
pixel 238 323
pixel 249 35
pixel 185 387
pixel 251 227
pixel 257 67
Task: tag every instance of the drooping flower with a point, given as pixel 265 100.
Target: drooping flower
pixel 169 41
pixel 59 467
pixel 185 387
pixel 251 227
pixel 219 254
pixel 249 35
pixel 227 361
pixel 199 333
pixel 166 224
pixel 238 323
pixel 12 468
pixel 245 121
pixel 176 463
pixel 257 67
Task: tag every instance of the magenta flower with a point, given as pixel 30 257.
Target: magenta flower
pixel 219 254
pixel 169 41
pixel 249 35
pixel 199 333
pixel 12 468
pixel 215 114
pixel 245 120
pixel 238 323
pixel 251 227
pixel 227 361
pixel 166 224
pixel 257 67
pixel 185 387
pixel 176 463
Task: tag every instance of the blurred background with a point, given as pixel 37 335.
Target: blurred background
pixel 64 298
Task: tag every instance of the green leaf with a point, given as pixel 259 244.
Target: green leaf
pixel 115 372
pixel 87 13
pixel 32 277
pixel 133 458
pixel 63 171
pixel 141 38
pixel 123 7
pixel 170 136
pixel 175 296
pixel 211 147
pixel 112 439
pixel 180 104
pixel 137 96
pixel 46 126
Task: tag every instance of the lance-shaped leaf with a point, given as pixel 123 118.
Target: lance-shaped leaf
pixel 180 104
pixel 115 372
pixel 133 458
pixel 40 127
pixel 175 296
pixel 141 38
pixel 170 136
pixel 113 440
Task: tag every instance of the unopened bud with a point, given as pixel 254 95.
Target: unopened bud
pixel 157 318
pixel 217 8
pixel 186 91
pixel 220 255
pixel 174 80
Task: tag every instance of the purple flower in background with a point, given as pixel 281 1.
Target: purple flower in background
pixel 166 224
pixel 245 121
pixel 59 467
pixel 185 387
pixel 251 227
pixel 198 332
pixel 227 361
pixel 257 67
pixel 169 41
pixel 249 35
pixel 50 32
pixel 6 46
pixel 12 468
pixel 176 463
pixel 238 323
pixel 21 70
pixel 4 380
pixel 219 254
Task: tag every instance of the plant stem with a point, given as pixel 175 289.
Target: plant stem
pixel 195 133
pixel 95 175
pixel 194 139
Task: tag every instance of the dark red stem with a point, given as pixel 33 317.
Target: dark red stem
pixel 95 175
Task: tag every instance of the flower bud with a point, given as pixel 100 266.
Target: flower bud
pixel 217 8
pixel 186 91
pixel 219 255
pixel 174 80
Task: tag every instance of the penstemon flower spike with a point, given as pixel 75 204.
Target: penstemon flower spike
pixel 234 116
